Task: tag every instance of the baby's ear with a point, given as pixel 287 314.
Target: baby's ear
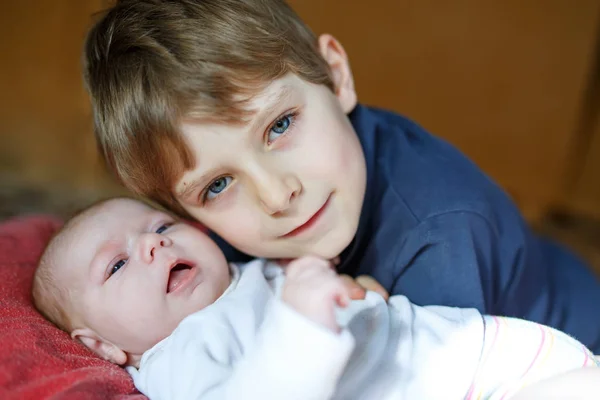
pixel 100 346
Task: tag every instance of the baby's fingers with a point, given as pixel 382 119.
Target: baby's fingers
pixel 355 291
pixel 369 283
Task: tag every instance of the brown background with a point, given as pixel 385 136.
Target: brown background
pixel 512 83
pixel 505 81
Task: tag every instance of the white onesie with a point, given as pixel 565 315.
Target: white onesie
pixel 250 345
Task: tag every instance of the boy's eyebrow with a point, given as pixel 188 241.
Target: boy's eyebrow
pixel 272 103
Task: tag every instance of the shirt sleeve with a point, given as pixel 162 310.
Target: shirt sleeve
pixel 518 353
pixel 500 267
pixel 459 259
pixel 436 344
pixel 292 358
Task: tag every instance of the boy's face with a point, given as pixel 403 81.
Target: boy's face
pixel 288 182
pixel 136 273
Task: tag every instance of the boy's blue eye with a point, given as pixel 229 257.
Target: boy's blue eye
pixel 217 187
pixel 116 267
pixel 280 127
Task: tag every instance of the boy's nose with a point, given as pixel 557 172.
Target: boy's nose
pixel 277 193
pixel 150 243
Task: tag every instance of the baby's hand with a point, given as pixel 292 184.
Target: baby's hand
pixel 313 288
pixel 356 287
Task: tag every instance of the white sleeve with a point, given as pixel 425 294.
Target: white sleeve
pixel 440 346
pixel 292 358
pixel 519 353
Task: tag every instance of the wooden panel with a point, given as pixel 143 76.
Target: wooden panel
pixel 502 80
pixel 582 183
pixel 45 119
pixel 586 197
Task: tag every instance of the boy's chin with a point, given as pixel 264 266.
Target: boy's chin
pixel 329 248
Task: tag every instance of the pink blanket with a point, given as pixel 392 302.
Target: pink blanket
pixel 37 360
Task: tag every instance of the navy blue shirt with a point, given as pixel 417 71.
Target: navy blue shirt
pixel 436 229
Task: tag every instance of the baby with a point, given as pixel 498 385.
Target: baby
pixel 156 295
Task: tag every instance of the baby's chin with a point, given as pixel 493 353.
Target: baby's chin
pixel 209 292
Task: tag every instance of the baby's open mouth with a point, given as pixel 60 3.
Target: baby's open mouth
pixel 178 275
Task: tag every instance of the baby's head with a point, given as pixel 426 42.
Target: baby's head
pixel 233 112
pixel 120 276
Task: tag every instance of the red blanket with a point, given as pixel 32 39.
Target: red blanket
pixel 37 360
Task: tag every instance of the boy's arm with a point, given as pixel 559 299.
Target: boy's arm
pixel 499 267
pixel 292 358
pixel 459 259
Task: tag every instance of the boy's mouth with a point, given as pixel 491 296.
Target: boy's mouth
pixel 179 275
pixel 311 221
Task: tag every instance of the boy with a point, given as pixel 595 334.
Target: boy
pixel 146 291
pixel 233 113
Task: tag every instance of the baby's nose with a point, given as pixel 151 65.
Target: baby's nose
pixel 150 243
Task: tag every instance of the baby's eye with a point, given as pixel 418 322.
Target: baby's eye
pixel 163 228
pixel 280 127
pixel 218 185
pixel 116 267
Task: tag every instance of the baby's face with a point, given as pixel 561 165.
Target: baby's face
pixel 137 273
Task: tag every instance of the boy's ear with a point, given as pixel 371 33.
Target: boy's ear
pixel 100 346
pixel 341 74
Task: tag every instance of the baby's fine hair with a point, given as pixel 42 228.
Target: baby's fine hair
pixel 49 293
pixel 148 64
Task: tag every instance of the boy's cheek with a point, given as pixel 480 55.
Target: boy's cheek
pixel 240 229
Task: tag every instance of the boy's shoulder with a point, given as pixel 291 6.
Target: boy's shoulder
pixel 421 175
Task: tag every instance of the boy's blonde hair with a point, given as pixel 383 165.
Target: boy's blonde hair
pixel 151 63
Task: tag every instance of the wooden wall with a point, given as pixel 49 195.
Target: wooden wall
pixel 502 80
pixel 47 148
